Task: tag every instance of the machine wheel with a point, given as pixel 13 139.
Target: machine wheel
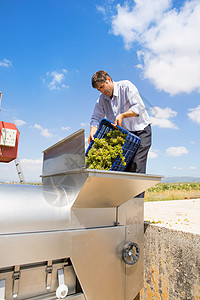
pixel 128 256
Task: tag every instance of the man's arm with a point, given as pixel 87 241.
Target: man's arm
pixel 126 114
pixel 93 130
pixel 97 115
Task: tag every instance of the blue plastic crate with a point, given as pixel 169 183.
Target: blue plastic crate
pixel 129 148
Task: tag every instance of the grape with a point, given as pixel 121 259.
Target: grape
pixel 105 151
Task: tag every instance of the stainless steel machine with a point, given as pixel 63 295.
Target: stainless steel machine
pixel 79 236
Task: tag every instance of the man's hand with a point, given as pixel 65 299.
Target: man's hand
pixel 93 130
pixel 118 120
pixel 127 114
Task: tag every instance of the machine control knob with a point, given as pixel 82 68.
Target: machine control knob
pixel 128 255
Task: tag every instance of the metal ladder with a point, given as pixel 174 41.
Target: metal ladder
pixel 19 171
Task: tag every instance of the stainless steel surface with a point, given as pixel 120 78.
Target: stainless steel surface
pixel 32 281
pixel 93 253
pixel 38 208
pixel 88 188
pixel 111 188
pixel 29 248
pixel 100 268
pixel 66 155
pixel 52 296
pixel 82 216
pixel 131 214
pixel 26 208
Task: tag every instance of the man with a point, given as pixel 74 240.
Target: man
pixel 121 103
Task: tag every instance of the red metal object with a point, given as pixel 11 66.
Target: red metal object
pixel 8 153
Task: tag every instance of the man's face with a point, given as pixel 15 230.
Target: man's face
pixel 106 88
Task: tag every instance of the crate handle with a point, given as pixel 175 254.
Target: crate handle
pixel 115 126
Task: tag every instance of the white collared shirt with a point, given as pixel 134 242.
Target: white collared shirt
pixel 125 97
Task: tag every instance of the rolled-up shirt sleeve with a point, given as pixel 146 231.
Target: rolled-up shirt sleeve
pixel 135 100
pixel 98 114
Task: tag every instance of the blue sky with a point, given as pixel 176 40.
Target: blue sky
pixel 51 48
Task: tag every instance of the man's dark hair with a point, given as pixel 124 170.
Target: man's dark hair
pixel 99 76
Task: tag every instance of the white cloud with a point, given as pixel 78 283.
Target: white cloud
pixel 31 169
pixel 132 22
pixel 153 153
pixel 161 117
pixel 31 164
pixel 43 131
pixel 66 128
pixel 176 151
pixel 19 122
pixel 177 168
pixel 194 114
pixel 169 40
pixel 56 80
pixel 163 113
pixel 163 123
pixel 5 63
pixel 83 124
pixel 192 168
pixel 101 9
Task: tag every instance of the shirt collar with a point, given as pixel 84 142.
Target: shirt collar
pixel 115 91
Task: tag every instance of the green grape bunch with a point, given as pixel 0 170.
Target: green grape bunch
pixel 106 150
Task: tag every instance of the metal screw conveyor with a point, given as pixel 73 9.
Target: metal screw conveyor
pixel 79 236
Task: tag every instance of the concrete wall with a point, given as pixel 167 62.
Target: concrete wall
pixel 172 265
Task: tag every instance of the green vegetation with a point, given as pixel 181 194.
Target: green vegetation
pixel 105 151
pixel 173 191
